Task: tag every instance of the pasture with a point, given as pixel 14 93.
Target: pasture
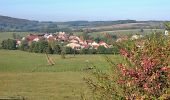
pixel 28 75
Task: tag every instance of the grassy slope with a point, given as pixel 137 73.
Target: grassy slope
pixel 27 74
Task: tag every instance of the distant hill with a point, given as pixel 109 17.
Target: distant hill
pixel 16 24
pixel 9 20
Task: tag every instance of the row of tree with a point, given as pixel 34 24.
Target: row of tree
pixel 44 46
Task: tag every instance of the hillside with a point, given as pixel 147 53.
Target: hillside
pixel 16 24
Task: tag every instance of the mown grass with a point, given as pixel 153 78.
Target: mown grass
pixel 28 75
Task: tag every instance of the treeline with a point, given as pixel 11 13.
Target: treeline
pixel 96 23
pixel 44 46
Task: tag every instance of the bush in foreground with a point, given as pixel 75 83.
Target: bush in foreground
pixel 145 75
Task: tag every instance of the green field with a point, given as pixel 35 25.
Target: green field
pixel 28 75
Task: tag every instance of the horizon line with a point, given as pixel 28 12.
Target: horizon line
pixel 84 20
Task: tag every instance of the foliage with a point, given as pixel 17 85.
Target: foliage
pixel 144 75
pixel 85 35
pixel 9 44
pixel 24 45
pixel 63 53
pixel 84 51
pixel 69 50
pixel 101 50
pixel 49 49
pixel 92 51
pixel 167 26
pixel 41 46
pixel 115 49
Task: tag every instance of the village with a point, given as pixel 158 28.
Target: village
pixel 72 41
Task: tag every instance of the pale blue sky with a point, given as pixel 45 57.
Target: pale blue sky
pixel 69 10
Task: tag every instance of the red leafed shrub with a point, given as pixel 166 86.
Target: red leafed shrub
pixel 145 75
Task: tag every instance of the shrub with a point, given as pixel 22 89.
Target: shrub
pixel 145 75
pixel 9 44
pixel 24 45
pixel 69 50
pixel 101 50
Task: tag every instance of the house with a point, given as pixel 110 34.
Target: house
pixel 89 42
pixel 73 37
pixel 121 39
pixel 135 37
pixel 62 36
pixel 82 42
pixel 74 41
pixel 166 32
pixel 62 33
pixel 18 43
pixel 32 37
pixel 36 39
pixel 74 46
pixel 85 46
pixel 49 39
pixel 46 35
pixel 95 45
pixel 102 43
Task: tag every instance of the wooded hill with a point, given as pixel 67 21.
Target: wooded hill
pixel 16 24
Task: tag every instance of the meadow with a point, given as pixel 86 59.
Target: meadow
pixel 28 75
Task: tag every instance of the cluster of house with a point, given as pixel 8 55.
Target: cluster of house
pixel 73 41
pixel 76 42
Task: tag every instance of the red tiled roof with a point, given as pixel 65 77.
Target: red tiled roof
pixel 31 37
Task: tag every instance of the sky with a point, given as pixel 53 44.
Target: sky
pixel 91 10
